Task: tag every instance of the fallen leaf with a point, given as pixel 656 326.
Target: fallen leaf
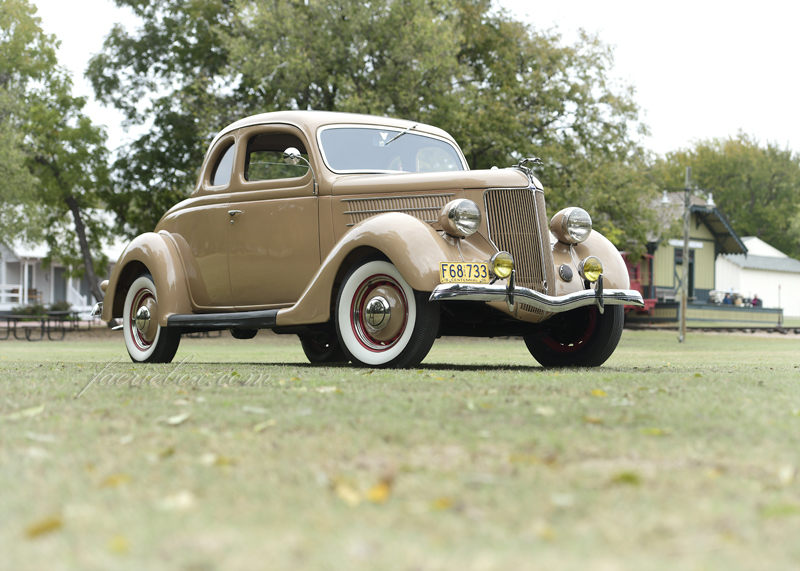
pixel 328 390
pixel 656 431
pixel 180 402
pixel 380 492
pixel 179 501
pixel 524 459
pixel 786 475
pixel 599 393
pixel 26 412
pixel 166 452
pixel 45 438
pixel 127 439
pixel 347 493
pixel 44 526
pixel 178 418
pixel 545 411
pixel 698 375
pixel 261 426
pixel 255 409
pixel 592 419
pixel 443 503
pixel 626 478
pixel 295 378
pixel 115 480
pixel 118 544
pixel 545 531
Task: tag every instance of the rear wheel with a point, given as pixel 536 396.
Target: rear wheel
pixel 580 338
pixel 323 349
pixel 145 339
pixel 381 321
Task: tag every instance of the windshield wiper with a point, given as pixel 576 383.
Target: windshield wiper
pixel 414 126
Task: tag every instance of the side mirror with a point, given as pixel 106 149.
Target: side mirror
pixel 292 156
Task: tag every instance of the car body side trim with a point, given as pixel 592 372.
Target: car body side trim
pixel 265 319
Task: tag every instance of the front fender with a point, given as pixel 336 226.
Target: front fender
pixel 157 253
pixel 615 273
pixel 411 245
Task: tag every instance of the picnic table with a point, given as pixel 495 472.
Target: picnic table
pixel 52 322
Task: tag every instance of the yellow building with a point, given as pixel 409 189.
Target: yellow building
pixel 710 234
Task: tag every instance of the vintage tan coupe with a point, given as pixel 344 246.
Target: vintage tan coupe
pixel 367 238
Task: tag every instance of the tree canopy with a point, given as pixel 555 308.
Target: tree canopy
pixel 757 185
pixel 53 160
pixel 502 88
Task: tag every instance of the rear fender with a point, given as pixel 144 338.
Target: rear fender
pixel 157 254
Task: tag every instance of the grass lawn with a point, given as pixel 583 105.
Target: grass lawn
pixel 669 457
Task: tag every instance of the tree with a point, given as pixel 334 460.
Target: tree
pixel 503 89
pixel 757 186
pixel 56 158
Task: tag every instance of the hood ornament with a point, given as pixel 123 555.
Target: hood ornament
pixel 526 166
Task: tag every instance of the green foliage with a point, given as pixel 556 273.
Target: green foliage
pixel 32 310
pixel 60 306
pixel 53 161
pixel 503 89
pixel 757 186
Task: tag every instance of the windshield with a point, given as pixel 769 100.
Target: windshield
pixel 379 149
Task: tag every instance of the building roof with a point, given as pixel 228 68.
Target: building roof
pixel 708 213
pixel 768 263
pixel 759 247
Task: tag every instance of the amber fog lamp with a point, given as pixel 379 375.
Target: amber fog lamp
pixel 590 269
pixel 571 225
pixel 502 264
pixel 460 218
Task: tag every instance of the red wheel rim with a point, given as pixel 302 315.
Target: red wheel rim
pixel 576 345
pixel 360 299
pixel 138 301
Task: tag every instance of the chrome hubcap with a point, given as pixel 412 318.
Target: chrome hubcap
pixel 377 313
pixel 142 319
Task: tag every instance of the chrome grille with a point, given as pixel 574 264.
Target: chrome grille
pixel 425 207
pixel 517 223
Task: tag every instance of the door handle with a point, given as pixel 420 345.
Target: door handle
pixel 234 212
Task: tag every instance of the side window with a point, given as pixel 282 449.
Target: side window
pixel 265 157
pixel 222 172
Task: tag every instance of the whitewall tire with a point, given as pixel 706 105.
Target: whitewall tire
pixel 381 321
pixel 146 341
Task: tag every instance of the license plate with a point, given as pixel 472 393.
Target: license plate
pixel 464 273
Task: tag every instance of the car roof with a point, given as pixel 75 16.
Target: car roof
pixel 310 121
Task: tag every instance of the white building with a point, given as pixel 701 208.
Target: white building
pixel 25 281
pixel 764 271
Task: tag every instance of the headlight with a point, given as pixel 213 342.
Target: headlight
pixel 571 225
pixel 501 264
pixel 590 269
pixel 460 218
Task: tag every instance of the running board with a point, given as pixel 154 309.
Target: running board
pixel 266 319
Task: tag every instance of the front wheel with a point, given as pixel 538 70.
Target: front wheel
pixel 580 338
pixel 145 339
pixel 381 321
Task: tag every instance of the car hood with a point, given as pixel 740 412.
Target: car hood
pixel 415 182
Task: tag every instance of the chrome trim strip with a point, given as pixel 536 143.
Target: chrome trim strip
pixel 403 196
pixel 552 304
pixel 426 221
pixel 391 210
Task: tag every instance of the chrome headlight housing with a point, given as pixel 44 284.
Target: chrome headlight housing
pixel 571 225
pixel 460 218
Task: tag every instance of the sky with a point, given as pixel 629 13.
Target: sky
pixel 701 69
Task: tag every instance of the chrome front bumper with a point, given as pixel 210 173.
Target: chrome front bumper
pixel 552 304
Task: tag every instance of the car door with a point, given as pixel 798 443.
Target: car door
pixel 199 226
pixel 273 236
